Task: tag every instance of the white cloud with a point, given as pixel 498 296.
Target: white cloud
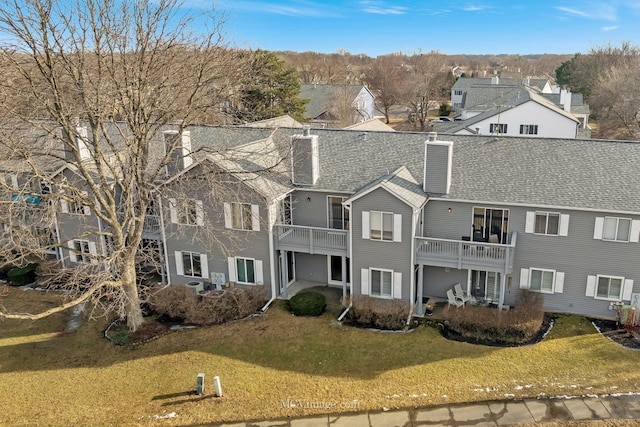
pixel 474 8
pixel 591 10
pixel 294 8
pixel 379 8
pixel 611 28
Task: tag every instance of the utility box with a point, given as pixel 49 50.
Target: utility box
pixel 200 384
pixel 218 386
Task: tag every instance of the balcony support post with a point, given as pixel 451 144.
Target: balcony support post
pixel 419 307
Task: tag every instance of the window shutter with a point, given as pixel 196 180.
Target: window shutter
pixel 228 223
pixel 257 265
pixel 366 228
pixel 635 231
pixel 173 212
pixel 597 229
pixel 199 213
pixel 73 257
pixel 530 222
pixel 233 277
pixel 397 286
pixel 187 160
pixel 93 251
pixel 524 278
pixel 179 265
pixel 591 286
pixel 397 228
pixel 255 217
pixel 564 225
pixel 364 281
pixel 64 206
pixel 204 266
pixel 627 289
pixel 559 285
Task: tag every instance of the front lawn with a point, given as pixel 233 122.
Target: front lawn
pixel 271 364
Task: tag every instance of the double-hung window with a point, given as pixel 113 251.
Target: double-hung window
pixel 186 212
pixel 191 264
pixel 547 223
pixel 609 287
pixel 82 251
pixel 528 129
pixel 241 216
pixel 541 280
pixel 616 229
pixel 381 282
pixel 498 128
pixel 381 225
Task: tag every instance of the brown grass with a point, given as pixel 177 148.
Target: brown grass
pixel 82 379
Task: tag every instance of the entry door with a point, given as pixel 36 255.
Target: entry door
pixel 335 270
pixel 287 276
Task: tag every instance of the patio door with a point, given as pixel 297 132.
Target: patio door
pixel 335 270
pixel 485 285
pixel 488 222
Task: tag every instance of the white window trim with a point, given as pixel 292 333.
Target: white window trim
pixel 258 274
pixel 74 255
pixel 634 229
pixel 396 283
pixel 396 226
pixel 228 216
pixel 204 264
pixel 329 197
pixel 556 287
pixel 625 289
pixel 175 217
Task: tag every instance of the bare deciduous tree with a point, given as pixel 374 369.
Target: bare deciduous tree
pixel 92 85
pixel 424 90
pixel 387 77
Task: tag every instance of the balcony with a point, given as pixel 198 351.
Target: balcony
pixel 151 224
pixel 466 255
pixel 311 240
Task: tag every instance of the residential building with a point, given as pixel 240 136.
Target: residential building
pixel 329 103
pixel 405 216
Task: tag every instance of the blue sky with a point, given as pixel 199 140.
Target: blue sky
pixel 377 27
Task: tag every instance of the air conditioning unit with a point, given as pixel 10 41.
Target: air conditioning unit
pixel 196 287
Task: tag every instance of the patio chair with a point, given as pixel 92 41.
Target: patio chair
pixel 453 300
pixel 461 295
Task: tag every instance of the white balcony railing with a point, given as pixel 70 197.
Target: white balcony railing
pixel 466 255
pixel 312 240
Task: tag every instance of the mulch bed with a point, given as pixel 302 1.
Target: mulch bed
pixel 547 323
pixel 617 333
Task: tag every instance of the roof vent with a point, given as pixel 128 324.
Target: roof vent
pixel 431 136
pixel 306 130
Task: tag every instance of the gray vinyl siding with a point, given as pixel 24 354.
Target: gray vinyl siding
pixel 312 268
pixel 226 243
pixel 394 256
pixel 310 207
pixel 577 255
pixel 437 280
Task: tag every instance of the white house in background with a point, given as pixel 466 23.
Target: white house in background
pixel 325 100
pixel 513 111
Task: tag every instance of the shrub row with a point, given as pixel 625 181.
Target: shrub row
pixel 19 276
pixel 378 313
pixel 484 325
pixel 182 304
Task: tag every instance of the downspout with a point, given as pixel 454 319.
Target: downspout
pixel 412 296
pixel 349 240
pixel 163 236
pixel 59 249
pixel 271 219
